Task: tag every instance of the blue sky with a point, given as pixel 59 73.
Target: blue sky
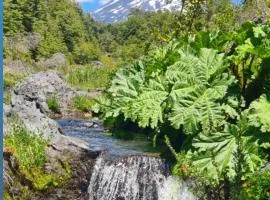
pixel 90 5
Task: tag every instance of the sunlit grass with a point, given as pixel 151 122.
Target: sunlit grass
pixel 87 77
pixel 12 78
pixel 29 152
pixel 83 103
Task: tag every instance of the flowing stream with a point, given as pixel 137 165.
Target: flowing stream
pixel 125 170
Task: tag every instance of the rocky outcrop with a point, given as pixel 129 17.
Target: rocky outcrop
pixel 29 104
pixel 22 43
pixel 40 87
pixel 6 114
pixel 81 166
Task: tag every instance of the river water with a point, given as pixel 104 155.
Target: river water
pixel 125 170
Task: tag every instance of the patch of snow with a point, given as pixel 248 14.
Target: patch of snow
pixel 118 10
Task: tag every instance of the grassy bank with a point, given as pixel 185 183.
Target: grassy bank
pixel 29 151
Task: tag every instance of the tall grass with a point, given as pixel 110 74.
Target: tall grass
pixel 53 104
pixel 87 77
pixel 83 103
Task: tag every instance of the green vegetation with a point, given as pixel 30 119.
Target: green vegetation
pixel 257 186
pixel 7 98
pixel 40 29
pixel 88 77
pixel 35 29
pixel 85 53
pixel 216 95
pixel 53 104
pixel 83 103
pixel 12 78
pixel 31 160
pixel 199 79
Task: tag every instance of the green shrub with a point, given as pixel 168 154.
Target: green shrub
pixel 18 139
pixel 257 186
pixel 84 53
pixel 53 104
pixel 83 103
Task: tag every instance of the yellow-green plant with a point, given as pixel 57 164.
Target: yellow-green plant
pixel 29 151
pixel 83 103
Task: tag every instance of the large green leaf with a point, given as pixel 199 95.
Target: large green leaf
pixel 127 81
pixel 198 85
pixel 147 108
pixel 259 114
pixel 124 88
pixel 219 152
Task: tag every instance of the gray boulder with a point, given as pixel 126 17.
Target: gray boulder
pixel 29 107
pixel 97 64
pixel 29 104
pixel 57 60
pixel 42 86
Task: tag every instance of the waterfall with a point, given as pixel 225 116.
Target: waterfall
pixel 137 177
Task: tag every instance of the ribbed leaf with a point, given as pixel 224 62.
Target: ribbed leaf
pixel 199 84
pixel 217 152
pixel 125 87
pixel 259 114
pixel 147 108
pixel 127 81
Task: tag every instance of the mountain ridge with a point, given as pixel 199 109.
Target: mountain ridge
pixel 118 10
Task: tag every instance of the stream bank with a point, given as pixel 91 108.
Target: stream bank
pixel 67 158
pixel 98 167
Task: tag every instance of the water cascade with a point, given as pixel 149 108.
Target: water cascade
pixel 137 177
pixel 125 170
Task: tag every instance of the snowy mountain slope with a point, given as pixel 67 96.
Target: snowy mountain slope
pixel 117 10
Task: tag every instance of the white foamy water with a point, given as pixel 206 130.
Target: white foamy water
pixel 136 178
pixel 125 171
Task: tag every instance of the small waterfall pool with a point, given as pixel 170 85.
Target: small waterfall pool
pixel 125 170
pixel 93 132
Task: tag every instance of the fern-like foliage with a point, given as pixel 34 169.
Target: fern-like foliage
pixel 125 87
pixel 147 109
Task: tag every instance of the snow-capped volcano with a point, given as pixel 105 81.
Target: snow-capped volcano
pixel 117 10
